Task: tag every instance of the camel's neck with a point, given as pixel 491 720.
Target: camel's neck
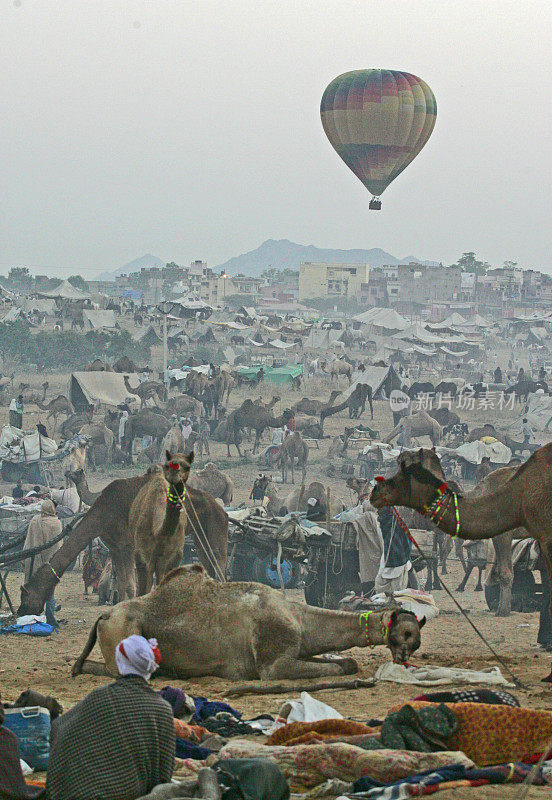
pixel 173 509
pixel 83 491
pixel 482 517
pixel 326 631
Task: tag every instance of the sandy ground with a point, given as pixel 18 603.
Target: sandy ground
pixel 45 664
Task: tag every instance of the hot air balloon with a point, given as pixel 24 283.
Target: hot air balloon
pixel 378 120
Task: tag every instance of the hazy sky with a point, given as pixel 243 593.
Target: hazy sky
pixel 192 129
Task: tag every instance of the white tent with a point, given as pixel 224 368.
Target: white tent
pixel 539 414
pixel 43 305
pixel 372 376
pixel 475 452
pixel 95 320
pixel 65 291
pixel 386 318
pixel 108 388
pixel 453 320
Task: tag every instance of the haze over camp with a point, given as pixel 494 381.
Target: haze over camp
pixel 275 400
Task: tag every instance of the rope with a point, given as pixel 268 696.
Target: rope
pixel 529 780
pixel 203 539
pixel 501 661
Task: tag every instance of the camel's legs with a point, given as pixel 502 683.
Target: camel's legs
pixel 479 587
pixel 462 585
pixel 289 667
pixel 502 572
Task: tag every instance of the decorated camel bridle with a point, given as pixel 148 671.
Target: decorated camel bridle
pixel 435 511
pixel 175 500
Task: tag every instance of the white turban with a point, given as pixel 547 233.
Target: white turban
pixel 137 656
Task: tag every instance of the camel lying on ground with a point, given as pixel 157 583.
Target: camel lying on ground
pixel 194 619
pixel 210 479
pixel 521 500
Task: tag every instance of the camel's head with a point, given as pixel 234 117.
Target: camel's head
pixel 39 588
pixel 358 485
pixel 404 635
pixel 176 468
pixel 414 485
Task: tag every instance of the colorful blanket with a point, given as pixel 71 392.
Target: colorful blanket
pixel 301 732
pixel 450 777
pixel 491 734
pixel 305 766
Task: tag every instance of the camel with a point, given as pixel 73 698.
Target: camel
pixel 72 425
pixel 125 364
pixel 258 418
pixel 78 477
pixel 223 384
pixel 174 440
pixel 195 384
pixel 194 621
pixel 444 416
pixel 157 521
pixel 313 408
pixel 293 447
pixel 98 366
pixel 518 499
pixel 59 405
pixel 211 480
pixel 355 402
pixel 341 367
pixel 143 423
pixel 419 424
pixel 184 404
pixel 148 390
pixel 108 518
pixel 98 433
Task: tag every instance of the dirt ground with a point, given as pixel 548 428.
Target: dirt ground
pixel 45 664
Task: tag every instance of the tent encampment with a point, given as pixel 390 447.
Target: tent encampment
pixel 87 389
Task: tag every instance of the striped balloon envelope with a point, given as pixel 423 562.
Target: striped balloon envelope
pixel 378 120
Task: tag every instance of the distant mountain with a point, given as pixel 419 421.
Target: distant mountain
pixel 144 262
pixel 281 253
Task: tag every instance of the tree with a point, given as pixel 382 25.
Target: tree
pixel 78 282
pixel 510 264
pixel 469 263
pixel 19 277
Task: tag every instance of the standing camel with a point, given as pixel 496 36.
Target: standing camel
pixel 148 390
pixel 293 447
pixel 355 402
pixel 341 367
pixel 523 500
pixel 59 405
pixel 419 424
pixel 258 418
pixel 108 518
pixel 157 521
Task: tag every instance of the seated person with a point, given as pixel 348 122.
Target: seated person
pixel 118 742
pixel 316 511
pixel 18 491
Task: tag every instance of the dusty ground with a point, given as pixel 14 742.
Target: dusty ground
pixel 45 664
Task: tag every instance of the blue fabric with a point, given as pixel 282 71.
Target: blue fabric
pixel 500 773
pixel 396 544
pixel 186 749
pixel 34 629
pixel 207 708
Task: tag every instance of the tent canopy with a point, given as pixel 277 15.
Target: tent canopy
pixel 96 320
pixel 65 291
pixel 87 389
pixel 386 318
pixel 379 378
pixel 283 376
